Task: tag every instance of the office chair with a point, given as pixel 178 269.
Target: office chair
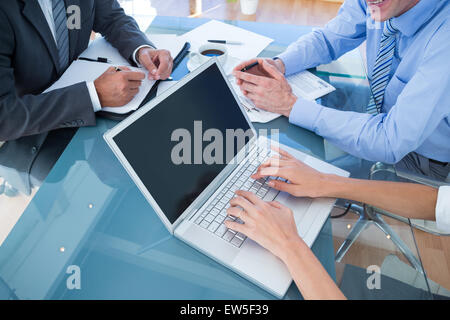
pixel 371 215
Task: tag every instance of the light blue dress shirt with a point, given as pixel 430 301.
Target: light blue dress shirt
pixel 416 110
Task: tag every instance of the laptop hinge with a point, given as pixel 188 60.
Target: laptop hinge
pixel 195 212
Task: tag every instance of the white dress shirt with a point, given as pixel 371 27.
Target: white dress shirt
pixel 443 209
pixel 47 9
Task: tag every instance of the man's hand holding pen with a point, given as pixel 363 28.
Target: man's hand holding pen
pixel 263 82
pixel 118 86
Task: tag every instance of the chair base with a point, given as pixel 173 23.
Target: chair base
pixel 366 218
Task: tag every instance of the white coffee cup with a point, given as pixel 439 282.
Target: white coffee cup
pixel 209 50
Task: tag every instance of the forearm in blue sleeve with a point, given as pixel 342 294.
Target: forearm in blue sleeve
pixel 342 34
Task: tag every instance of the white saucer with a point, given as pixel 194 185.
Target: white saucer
pixel 231 62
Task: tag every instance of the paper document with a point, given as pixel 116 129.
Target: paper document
pixel 170 42
pixel 102 48
pixel 308 86
pixel 87 71
pixel 304 84
pixel 253 43
pixel 254 114
pixel 257 114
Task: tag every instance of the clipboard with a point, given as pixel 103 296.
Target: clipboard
pixel 151 94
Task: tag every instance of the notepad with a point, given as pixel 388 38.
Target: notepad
pixel 87 71
pixel 102 48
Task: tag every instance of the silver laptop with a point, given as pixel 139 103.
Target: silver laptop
pixel 161 147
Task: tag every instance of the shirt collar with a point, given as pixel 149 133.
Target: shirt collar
pixel 411 21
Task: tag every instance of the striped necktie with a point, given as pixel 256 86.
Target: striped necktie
pixel 61 33
pixel 382 68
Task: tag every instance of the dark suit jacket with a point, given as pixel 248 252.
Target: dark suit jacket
pixel 29 65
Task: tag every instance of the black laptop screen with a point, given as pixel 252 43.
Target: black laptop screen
pixel 166 159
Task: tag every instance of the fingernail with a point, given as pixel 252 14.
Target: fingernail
pixel 271 183
pixel 153 71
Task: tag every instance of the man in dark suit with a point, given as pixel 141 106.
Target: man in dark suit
pixel 36 47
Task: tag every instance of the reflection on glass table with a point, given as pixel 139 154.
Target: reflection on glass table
pixel 375 260
pixel 95 218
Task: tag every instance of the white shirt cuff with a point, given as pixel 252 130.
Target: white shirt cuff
pixel 136 51
pixel 443 209
pixel 94 96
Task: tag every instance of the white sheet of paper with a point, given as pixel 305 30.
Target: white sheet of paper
pixel 259 115
pixel 169 42
pixel 304 84
pixel 254 114
pixel 253 43
pixel 308 86
pixel 102 48
pixel 86 71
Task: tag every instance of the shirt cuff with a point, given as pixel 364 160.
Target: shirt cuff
pixel 94 96
pixel 290 59
pixel 443 209
pixel 305 113
pixel 136 51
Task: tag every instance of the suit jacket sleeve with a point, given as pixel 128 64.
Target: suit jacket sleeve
pixel 119 29
pixel 35 114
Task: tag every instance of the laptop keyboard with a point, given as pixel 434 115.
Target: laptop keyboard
pixel 215 214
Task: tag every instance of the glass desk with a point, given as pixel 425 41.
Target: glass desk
pixel 89 216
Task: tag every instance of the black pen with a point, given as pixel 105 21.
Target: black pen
pixel 226 42
pixel 99 59
pixel 249 66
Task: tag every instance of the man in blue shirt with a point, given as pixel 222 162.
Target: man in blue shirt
pixel 408 120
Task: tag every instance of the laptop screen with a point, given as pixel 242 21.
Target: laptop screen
pixel 171 147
